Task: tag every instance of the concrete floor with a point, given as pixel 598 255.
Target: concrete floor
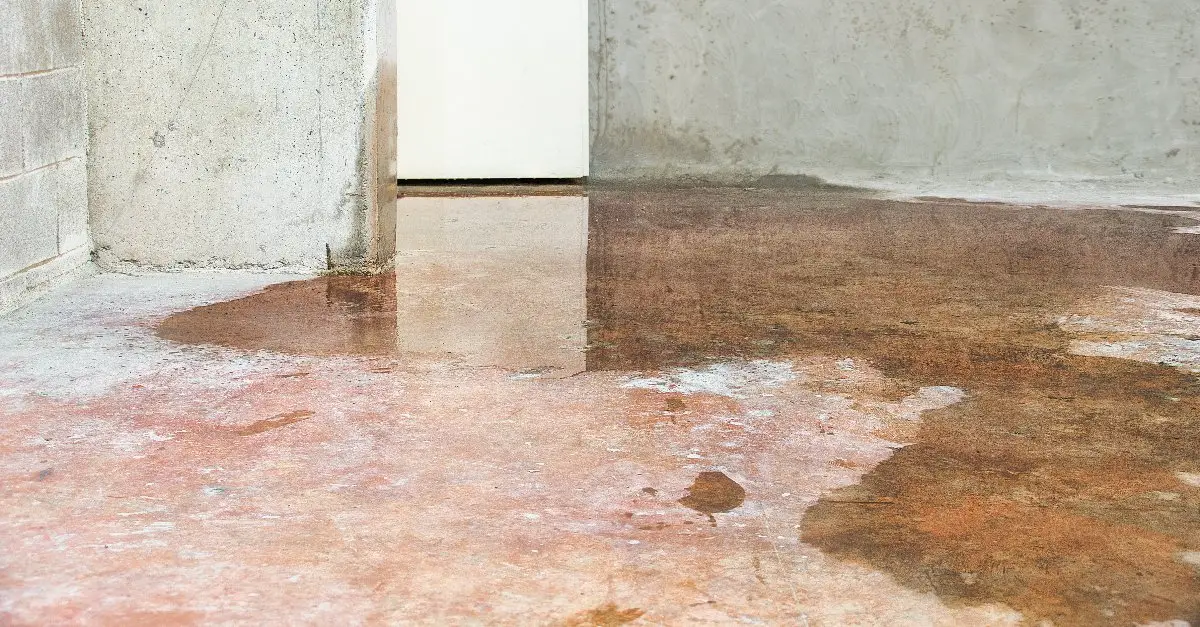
pixel 641 406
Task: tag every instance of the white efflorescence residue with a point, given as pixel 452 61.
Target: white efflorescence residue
pixel 734 379
pixel 1145 325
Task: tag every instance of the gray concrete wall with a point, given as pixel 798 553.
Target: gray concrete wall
pixel 235 134
pixel 43 141
pixel 888 91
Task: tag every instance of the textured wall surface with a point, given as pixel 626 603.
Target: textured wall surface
pixel 233 134
pixel 887 90
pixel 43 141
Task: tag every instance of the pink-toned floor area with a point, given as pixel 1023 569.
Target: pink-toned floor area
pixel 451 444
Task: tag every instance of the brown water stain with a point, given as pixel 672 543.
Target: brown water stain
pixel 1043 490
pixel 713 492
pixel 329 315
pixel 282 420
pixel 607 615
pixel 675 404
pixel 1165 207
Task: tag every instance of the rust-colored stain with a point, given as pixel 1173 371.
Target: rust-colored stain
pixel 1039 491
pixel 329 315
pixel 607 615
pixel 281 420
pixel 714 493
pixel 1044 490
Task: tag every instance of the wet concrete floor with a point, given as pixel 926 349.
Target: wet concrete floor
pixel 1059 478
pixel 1053 489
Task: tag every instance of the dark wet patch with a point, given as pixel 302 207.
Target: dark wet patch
pixel 1045 490
pixel 607 615
pixel 1165 207
pixel 950 200
pixel 1191 311
pixel 650 491
pixel 714 493
pixel 328 315
pixel 683 278
pixel 282 420
pixel 44 474
pixel 806 182
pixel 675 404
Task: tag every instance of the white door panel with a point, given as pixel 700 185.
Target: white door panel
pixel 492 89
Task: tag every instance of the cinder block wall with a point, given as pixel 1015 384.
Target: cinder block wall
pixel 43 141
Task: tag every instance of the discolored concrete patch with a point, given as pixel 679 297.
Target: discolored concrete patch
pixel 329 315
pixel 431 493
pixel 713 492
pixel 418 483
pixel 895 389
pixel 607 615
pixel 1040 491
pixel 1150 326
pixel 282 420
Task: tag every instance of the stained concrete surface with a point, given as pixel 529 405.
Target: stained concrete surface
pixel 786 408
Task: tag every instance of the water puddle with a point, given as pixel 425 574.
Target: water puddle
pixel 483 282
pixel 714 493
pixel 330 315
pixel 1054 487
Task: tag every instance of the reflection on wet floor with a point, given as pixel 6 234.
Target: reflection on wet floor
pixel 490 282
pixel 483 282
pixel 1058 487
pixel 329 315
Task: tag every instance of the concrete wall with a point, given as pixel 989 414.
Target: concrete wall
pixel 237 134
pixel 43 141
pixel 898 90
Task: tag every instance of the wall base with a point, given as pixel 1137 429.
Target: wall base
pixel 29 284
